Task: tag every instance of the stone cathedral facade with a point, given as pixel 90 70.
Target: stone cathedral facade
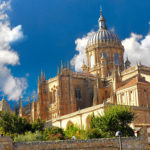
pixel 106 79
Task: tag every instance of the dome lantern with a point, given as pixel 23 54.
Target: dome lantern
pixel 102 21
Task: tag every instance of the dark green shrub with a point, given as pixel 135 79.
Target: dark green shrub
pixel 54 133
pixel 94 133
pixel 37 125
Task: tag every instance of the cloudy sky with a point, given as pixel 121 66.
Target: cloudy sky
pixel 37 35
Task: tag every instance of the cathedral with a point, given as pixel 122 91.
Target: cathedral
pixel 106 79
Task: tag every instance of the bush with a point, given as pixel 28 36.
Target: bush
pixel 74 130
pixel 29 136
pixel 54 133
pixel 94 133
pixel 115 118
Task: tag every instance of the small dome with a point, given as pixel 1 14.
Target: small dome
pixel 104 36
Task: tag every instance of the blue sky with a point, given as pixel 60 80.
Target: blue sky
pixel 51 27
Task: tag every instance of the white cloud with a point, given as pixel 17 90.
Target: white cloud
pixel 11 86
pixel 137 47
pixel 81 43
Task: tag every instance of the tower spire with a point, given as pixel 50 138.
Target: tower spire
pixel 41 75
pixel 102 21
pixel 29 100
pixel 57 70
pixel 61 66
pixel 101 10
pixel 68 65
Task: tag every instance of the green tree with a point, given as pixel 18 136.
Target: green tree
pixel 11 123
pixel 38 125
pixel 115 118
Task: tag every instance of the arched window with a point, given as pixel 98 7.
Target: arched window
pixel 91 61
pixel 77 93
pixel 105 55
pixel 55 94
pixel 50 97
pixel 116 57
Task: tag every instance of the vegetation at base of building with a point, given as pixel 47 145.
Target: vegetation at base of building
pixel 13 125
pixel 54 133
pixel 75 130
pixel 29 136
pixel 95 133
pixel 37 125
pixel 115 118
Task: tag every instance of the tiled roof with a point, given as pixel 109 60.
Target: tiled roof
pixel 134 81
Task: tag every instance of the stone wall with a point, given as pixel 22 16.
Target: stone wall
pixel 6 143
pixel 94 144
pixel 131 143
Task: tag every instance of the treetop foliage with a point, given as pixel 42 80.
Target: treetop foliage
pixel 115 118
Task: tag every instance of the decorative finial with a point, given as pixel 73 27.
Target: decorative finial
pixel 44 75
pixel 57 70
pixel 68 65
pixel 33 99
pixel 3 98
pixel 61 65
pixel 101 10
pixel 29 100
pixel 41 75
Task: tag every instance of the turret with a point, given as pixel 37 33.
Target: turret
pixel 84 67
pixel 127 63
pixel 103 66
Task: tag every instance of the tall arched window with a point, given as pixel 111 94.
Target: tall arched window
pixel 116 57
pixel 91 61
pixel 77 93
pixel 55 96
pixel 105 55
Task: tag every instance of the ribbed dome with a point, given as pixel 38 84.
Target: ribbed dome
pixel 104 36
